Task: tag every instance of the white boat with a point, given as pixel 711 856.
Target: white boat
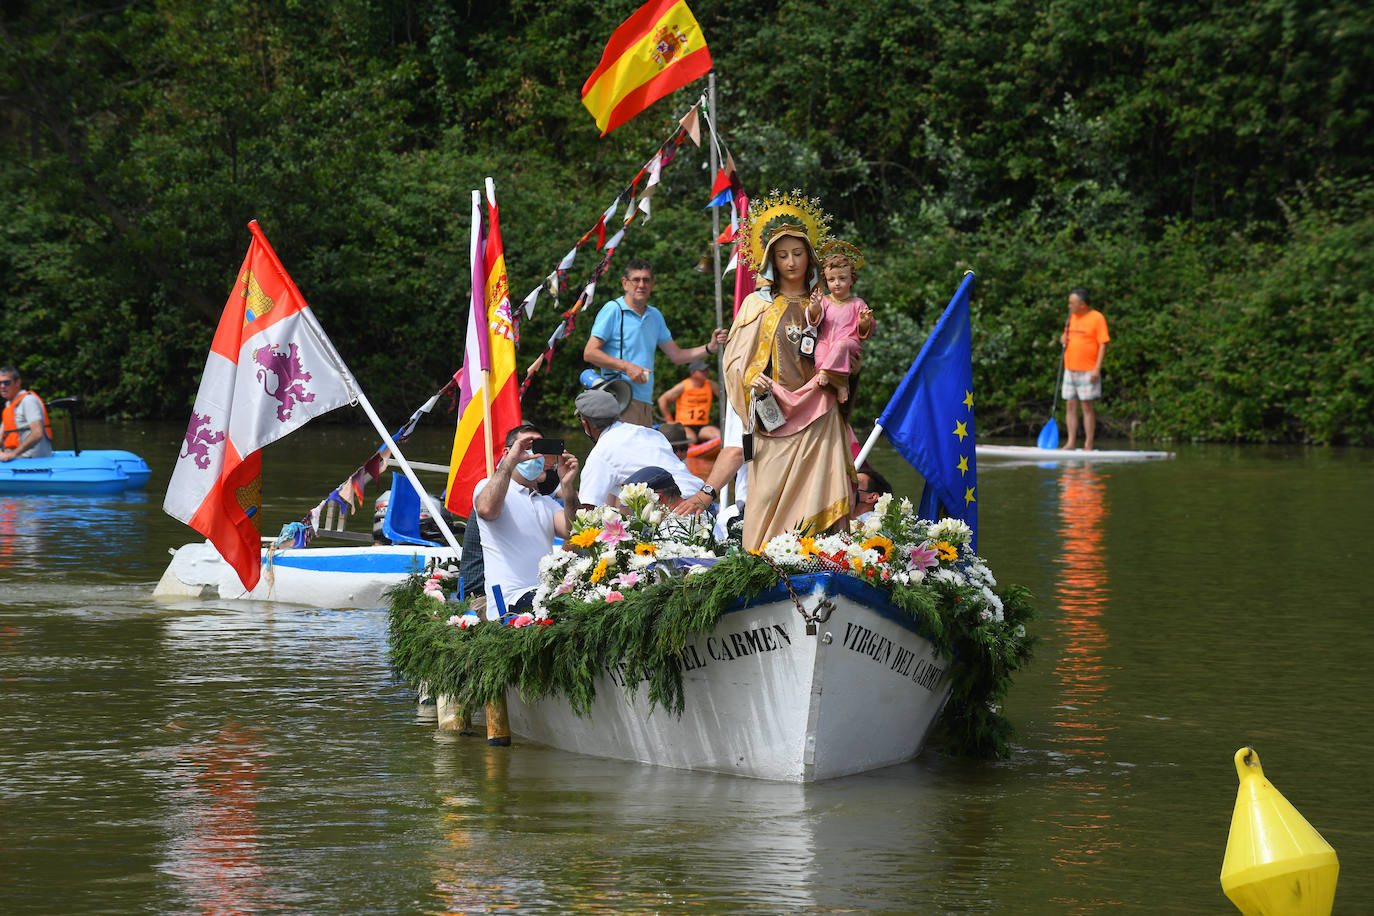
pixel 1035 453
pixel 332 577
pixel 765 698
pixel 343 576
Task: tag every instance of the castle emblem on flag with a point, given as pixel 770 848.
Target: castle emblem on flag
pixel 249 498
pixel 258 303
pixel 667 42
pixel 288 378
pixel 198 441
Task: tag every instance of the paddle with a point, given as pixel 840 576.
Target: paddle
pixel 1049 434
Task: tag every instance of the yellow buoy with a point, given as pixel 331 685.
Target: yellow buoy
pixel 1276 863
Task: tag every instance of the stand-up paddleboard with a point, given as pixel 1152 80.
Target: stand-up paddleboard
pixel 1033 453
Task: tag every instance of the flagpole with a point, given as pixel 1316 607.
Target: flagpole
pixel 377 424
pixel 713 123
pixel 481 296
pixel 868 446
pixel 430 507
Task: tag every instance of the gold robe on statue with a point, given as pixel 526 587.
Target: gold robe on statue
pixel 802 474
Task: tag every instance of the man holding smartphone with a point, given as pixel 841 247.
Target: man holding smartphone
pixel 517 516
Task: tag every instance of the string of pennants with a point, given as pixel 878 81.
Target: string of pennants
pixel 726 189
pixel 348 496
pixel 636 200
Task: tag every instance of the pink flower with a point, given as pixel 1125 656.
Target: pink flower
pixel 614 596
pixel 628 580
pixel 523 620
pixel 565 586
pixel 613 533
pixel 924 557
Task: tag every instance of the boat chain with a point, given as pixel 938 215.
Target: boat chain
pixel 823 609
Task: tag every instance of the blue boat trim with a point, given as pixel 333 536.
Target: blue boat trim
pixel 368 563
pixel 837 584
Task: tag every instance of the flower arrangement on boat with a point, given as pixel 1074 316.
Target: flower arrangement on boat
pixel 609 552
pixel 631 588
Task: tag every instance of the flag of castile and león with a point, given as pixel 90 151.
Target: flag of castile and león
pixel 270 370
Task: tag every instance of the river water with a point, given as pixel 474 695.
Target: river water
pixel 214 757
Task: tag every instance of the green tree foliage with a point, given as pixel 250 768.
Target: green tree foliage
pixel 1199 168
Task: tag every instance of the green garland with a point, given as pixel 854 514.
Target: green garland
pixel 646 631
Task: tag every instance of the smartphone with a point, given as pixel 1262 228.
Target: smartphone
pixel 547 446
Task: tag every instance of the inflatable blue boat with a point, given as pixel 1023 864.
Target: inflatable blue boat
pixel 75 471
pixel 87 471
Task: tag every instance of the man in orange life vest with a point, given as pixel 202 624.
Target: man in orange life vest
pixel 26 432
pixel 693 396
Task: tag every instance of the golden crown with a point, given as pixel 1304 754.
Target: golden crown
pixel 839 246
pixel 778 213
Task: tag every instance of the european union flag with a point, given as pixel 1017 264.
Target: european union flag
pixel 930 417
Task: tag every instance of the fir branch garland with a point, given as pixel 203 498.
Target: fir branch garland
pixel 644 634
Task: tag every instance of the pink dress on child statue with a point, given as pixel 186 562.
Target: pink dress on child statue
pixel 838 344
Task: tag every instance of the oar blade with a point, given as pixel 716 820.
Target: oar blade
pixel 1049 435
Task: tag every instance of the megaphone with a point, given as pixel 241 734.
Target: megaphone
pixel 591 379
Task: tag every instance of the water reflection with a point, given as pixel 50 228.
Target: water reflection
pixel 528 828
pixel 216 852
pixel 43 534
pixel 1084 831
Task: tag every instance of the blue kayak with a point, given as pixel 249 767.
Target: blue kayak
pixel 90 471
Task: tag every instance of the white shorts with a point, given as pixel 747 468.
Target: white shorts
pixel 1080 386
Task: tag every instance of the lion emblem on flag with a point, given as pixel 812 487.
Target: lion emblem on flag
pixel 283 378
pixel 198 441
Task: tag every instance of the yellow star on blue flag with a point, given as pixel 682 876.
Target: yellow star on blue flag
pixel 930 417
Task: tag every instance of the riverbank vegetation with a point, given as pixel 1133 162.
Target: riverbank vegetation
pixel 1203 172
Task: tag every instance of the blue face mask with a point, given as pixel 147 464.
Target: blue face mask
pixel 531 469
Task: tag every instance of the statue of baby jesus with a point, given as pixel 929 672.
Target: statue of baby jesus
pixel 842 321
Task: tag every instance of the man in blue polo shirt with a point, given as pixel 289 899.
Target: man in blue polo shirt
pixel 625 335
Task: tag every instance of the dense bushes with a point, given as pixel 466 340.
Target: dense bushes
pixel 1200 171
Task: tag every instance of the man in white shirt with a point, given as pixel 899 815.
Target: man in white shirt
pixel 518 518
pixel 620 449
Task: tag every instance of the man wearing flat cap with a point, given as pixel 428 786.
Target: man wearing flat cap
pixel 619 449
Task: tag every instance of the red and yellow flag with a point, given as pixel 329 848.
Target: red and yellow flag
pixel 489 392
pixel 270 370
pixel 660 48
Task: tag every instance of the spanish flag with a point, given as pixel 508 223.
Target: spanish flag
pixel 657 50
pixel 489 392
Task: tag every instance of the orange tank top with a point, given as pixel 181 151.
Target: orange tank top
pixel 694 406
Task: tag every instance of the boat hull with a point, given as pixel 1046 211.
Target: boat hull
pixel 92 471
pixel 333 577
pixel 763 698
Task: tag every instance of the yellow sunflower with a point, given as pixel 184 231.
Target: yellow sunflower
pixel 808 547
pixel 645 550
pixel 946 550
pixel 880 542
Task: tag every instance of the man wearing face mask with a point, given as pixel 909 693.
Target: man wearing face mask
pixel 517 517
